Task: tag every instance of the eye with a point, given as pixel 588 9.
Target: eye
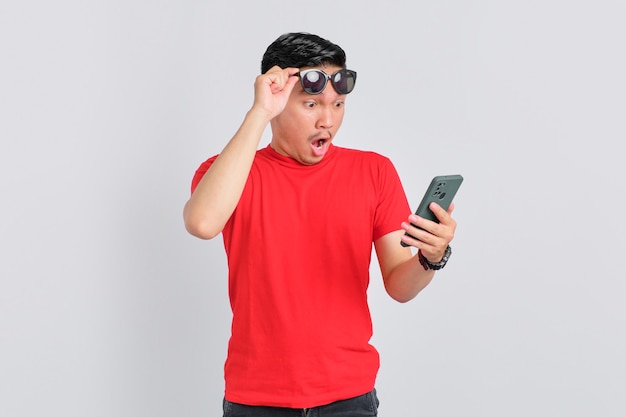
pixel 339 104
pixel 309 104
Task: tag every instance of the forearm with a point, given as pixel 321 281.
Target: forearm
pixel 407 279
pixel 217 194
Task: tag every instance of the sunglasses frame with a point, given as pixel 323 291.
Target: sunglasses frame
pixel 347 73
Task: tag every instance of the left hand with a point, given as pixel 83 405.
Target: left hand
pixel 431 238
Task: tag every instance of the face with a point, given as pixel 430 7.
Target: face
pixel 308 124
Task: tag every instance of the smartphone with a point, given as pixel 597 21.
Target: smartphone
pixel 441 190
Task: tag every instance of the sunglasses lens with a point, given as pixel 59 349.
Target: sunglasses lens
pixel 344 80
pixel 313 82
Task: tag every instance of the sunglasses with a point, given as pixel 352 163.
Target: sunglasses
pixel 314 80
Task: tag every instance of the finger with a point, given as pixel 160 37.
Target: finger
pixel 291 83
pixel 432 245
pixel 411 241
pixel 291 71
pixel 442 215
pixel 431 250
pixel 276 81
pixel 430 231
pixel 419 223
pixel 418 233
pixel 283 80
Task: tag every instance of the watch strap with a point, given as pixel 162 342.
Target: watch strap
pixel 435 266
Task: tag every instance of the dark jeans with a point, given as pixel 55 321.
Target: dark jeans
pixel 365 405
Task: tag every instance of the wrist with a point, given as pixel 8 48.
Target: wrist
pixel 426 264
pixel 259 115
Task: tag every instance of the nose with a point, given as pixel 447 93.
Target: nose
pixel 325 118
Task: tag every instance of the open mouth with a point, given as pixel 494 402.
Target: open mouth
pixel 320 146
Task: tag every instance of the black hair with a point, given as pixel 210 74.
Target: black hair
pixel 301 49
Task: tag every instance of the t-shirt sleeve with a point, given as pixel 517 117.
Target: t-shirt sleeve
pixel 202 169
pixel 393 207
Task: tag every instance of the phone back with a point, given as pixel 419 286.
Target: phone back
pixel 441 190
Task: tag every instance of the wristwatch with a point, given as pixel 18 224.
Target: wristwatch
pixel 434 265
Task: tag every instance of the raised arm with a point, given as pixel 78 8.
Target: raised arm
pixel 217 194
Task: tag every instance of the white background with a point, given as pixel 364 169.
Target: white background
pixel 109 308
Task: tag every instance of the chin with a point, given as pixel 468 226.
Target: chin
pixel 310 160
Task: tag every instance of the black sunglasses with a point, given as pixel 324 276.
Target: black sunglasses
pixel 314 80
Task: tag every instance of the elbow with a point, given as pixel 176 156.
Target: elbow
pixel 401 294
pixel 200 226
pixel 201 230
pixel 401 298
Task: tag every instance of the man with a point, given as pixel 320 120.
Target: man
pixel 298 219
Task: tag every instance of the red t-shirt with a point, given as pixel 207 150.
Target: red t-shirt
pixel 299 245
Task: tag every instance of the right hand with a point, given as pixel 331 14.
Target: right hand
pixel 272 89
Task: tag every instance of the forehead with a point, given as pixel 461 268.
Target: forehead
pixel 329 69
